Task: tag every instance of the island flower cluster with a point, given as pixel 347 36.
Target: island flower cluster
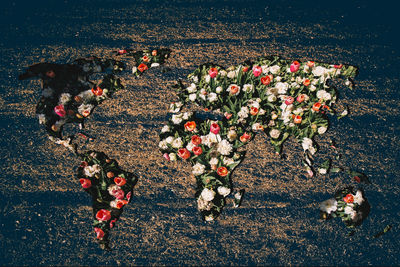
pixel 68 96
pixel 348 204
pixel 110 188
pixel 279 97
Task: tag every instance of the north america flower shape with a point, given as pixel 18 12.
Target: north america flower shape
pixel 279 97
pixel 110 188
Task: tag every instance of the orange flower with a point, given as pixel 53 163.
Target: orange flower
pixel 234 89
pixel 197 150
pixel 190 126
pixel 245 137
pixel 306 82
pixel 120 181
pixel 245 69
pixel 196 140
pixel 110 175
pixel 316 106
pixel 184 153
pixel 103 215
pixel 310 64
pixel 97 91
pixel 146 59
pixel 349 198
pixel 266 80
pixel 154 53
pixel 301 98
pixel 142 67
pixel 222 171
pixel 298 119
pixel 253 111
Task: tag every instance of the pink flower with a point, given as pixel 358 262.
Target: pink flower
pixel 128 196
pixel 213 72
pixel 166 156
pixel 215 128
pixel 294 66
pixel 301 98
pixel 112 223
pixel 119 194
pixel 289 100
pixel 99 233
pixel 60 111
pixel 86 183
pixel 257 70
pixel 103 215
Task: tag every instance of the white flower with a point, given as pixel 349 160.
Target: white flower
pixel 274 69
pixel 275 133
pixel 252 103
pixel 319 71
pixel 172 156
pixel 42 118
pixel 153 65
pixel 231 74
pixel 112 188
pixel 163 145
pixel 282 87
pixel 243 113
pixel 198 169
pixel 169 139
pixel 312 88
pixel 218 90
pixel 278 78
pixel 175 107
pixel 134 70
pixel 232 88
pixel 207 194
pixel 222 73
pixel 328 206
pixel 358 197
pixel 85 95
pixel 212 97
pixel 85 109
pixel 297 111
pixel 322 130
pixel 64 98
pixel 176 118
pixel 195 79
pixel 224 147
pixel 165 129
pixel 47 92
pixel 322 94
pixel 192 88
pixel 261 111
pixel 190 146
pixel 271 98
pixel 265 69
pixel 91 170
pixel 213 161
pixel 223 191
pixel 209 218
pixel 177 143
pixel 349 210
pixel 207 78
pixel 322 171
pixel 232 135
pixel 203 94
pixel 257 127
pixel 248 88
pixel 228 161
pixel 307 144
pixel 192 97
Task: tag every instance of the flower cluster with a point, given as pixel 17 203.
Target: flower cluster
pixel 279 97
pixel 348 204
pixel 110 188
pixel 146 59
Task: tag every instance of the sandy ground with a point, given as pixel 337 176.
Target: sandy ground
pixel 46 217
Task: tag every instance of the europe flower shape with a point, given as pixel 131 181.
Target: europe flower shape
pixel 110 188
pixel 348 204
pixel 279 97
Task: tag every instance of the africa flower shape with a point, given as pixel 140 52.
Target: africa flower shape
pixel 349 204
pixel 110 188
pixel 279 97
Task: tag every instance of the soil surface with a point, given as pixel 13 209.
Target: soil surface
pixel 45 215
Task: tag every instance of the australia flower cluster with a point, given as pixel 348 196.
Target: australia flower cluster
pixel 279 97
pixel 348 204
pixel 110 188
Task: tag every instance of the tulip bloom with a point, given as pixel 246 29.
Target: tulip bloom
pixel 257 70
pixel 289 100
pixel 222 171
pixel 120 181
pixel 190 126
pixel 197 150
pixel 97 91
pixel 103 215
pixel 99 233
pixel 294 67
pixel 213 72
pixel 266 80
pixel 253 111
pixel 60 111
pixel 300 98
pixel 316 106
pixel 184 153
pixel 215 128
pixel 297 119
pixel 142 67
pixel 196 140
pixel 306 82
pixel 86 183
pixel 349 198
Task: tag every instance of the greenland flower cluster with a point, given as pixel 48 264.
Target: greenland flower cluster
pixel 348 204
pixel 146 59
pixel 110 188
pixel 279 97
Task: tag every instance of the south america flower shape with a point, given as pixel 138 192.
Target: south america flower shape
pixel 279 97
pixel 348 204
pixel 110 188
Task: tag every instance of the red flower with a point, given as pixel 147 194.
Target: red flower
pixel 338 66
pixel 245 69
pixel 142 67
pixel 99 233
pixel 184 153
pixel 222 171
pixel 245 137
pixel 349 198
pixel 112 222
pixel 306 82
pixel 154 53
pixel 97 91
pixel 197 150
pixel 196 140
pixel 298 119
pixel 146 59
pixel 60 111
pixel 266 80
pixel 103 215
pixel 215 128
pixel 213 72
pixel 50 74
pixel 310 64
pixel 128 196
pixel 121 51
pixel 357 179
pixel 301 98
pixel 86 183
pixel 316 106
pixel 253 111
pixel 294 66
pixel 120 181
pixel 227 115
pixel 190 126
pixel 166 156
pixel 289 100
pixel 83 164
